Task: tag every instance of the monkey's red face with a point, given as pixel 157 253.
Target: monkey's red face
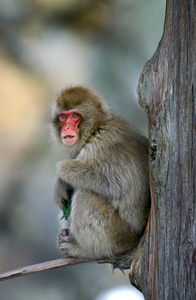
pixel 69 121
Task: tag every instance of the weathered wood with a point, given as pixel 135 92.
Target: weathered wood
pixel 122 263
pixel 52 264
pixel 167 92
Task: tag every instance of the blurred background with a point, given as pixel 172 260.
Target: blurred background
pixel 44 47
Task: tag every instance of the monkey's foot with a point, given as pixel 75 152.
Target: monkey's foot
pixel 62 236
pixel 65 241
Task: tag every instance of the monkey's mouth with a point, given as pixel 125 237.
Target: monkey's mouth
pixel 69 139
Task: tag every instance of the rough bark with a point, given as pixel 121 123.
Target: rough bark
pixel 165 264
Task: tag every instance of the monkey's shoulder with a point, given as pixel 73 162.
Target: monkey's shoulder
pixel 117 130
pixel 117 140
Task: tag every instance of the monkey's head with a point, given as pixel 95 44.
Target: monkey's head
pixel 78 113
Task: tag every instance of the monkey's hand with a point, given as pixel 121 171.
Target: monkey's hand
pixel 62 191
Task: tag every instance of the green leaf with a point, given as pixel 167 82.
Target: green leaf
pixel 66 208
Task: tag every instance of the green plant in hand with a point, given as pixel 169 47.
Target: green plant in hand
pixel 66 208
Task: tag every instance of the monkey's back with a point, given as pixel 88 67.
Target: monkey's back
pixel 118 153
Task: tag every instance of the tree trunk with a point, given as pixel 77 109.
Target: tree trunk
pixel 165 263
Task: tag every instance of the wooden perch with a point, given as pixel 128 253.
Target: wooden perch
pixel 52 264
pixel 123 262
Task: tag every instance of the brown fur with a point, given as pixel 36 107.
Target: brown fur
pixel 106 177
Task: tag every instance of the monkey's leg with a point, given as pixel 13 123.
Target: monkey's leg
pixel 95 229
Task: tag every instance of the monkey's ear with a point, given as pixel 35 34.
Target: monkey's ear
pixel 104 108
pixel 99 106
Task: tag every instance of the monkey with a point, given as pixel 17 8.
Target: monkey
pixel 104 175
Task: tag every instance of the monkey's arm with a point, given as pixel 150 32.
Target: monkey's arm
pixel 62 191
pixel 108 180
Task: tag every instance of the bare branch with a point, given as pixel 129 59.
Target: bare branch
pixel 122 262
pixel 52 264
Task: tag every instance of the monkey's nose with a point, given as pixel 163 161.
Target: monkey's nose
pixel 66 127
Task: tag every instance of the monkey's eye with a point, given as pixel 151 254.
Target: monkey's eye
pixel 75 115
pixel 63 116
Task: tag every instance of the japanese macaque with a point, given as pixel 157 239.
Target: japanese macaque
pixel 104 177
